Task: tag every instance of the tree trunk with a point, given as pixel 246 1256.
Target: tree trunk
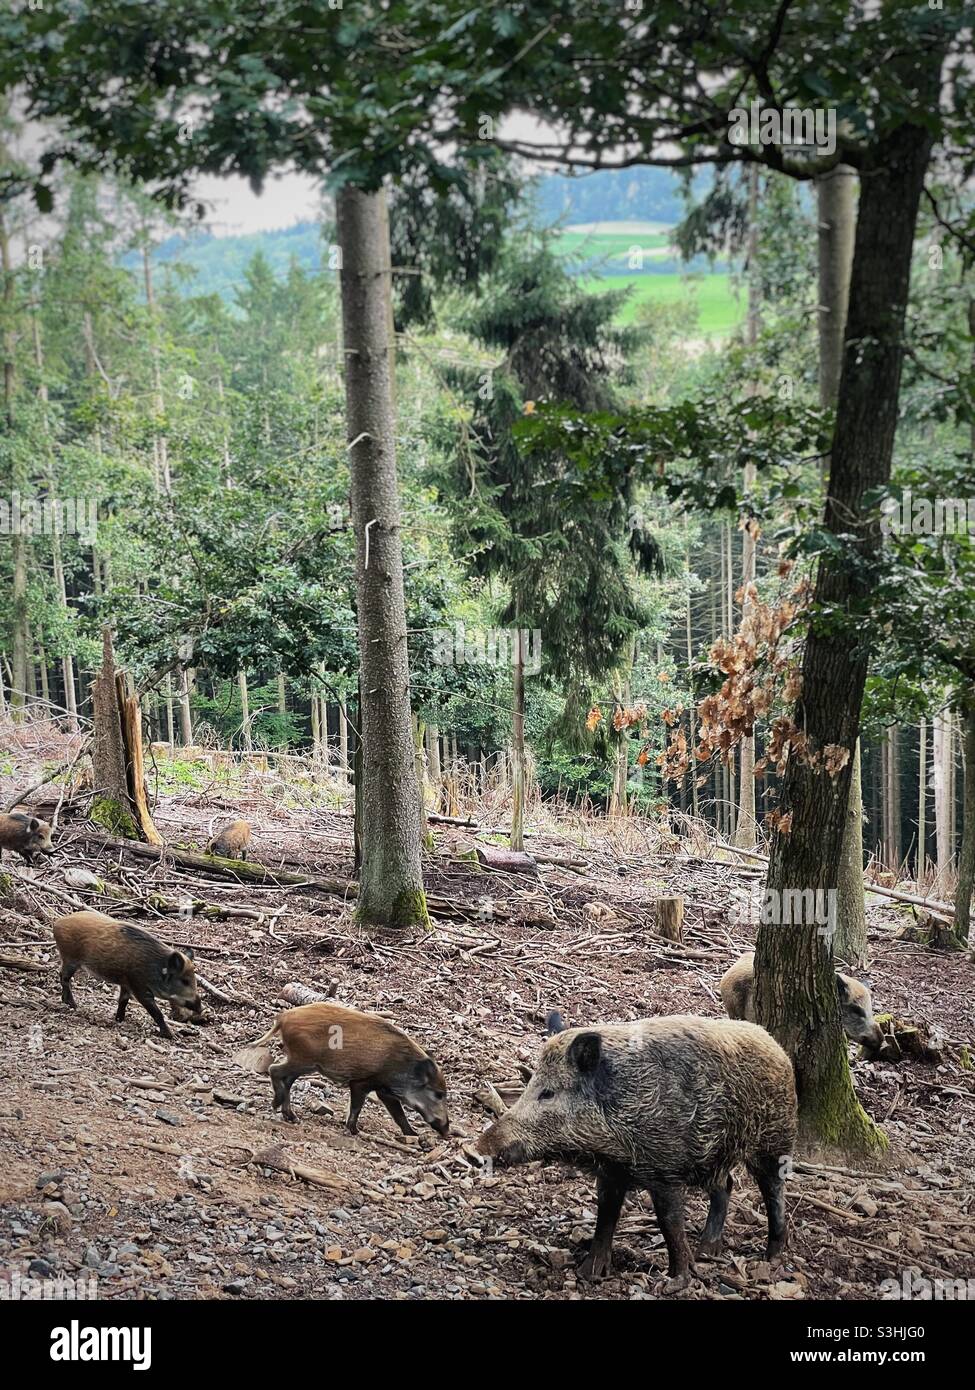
pixel 185 713
pixel 922 803
pixel 836 201
pixel 390 882
pixel 942 807
pixel 966 860
pixel 112 808
pixel 433 762
pixel 19 545
pixel 245 713
pixel 518 744
pixel 343 741
pixel 795 981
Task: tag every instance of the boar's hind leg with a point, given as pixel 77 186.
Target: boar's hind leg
pixel 767 1172
pixel 710 1243
pixel 396 1110
pixel 612 1185
pixel 283 1076
pixel 358 1094
pixel 68 968
pixel 147 1001
pixel 668 1203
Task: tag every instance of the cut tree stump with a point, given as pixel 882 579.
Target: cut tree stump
pixel 508 861
pixel 669 918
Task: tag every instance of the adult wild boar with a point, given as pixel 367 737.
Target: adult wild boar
pixel 660 1104
pixel 737 988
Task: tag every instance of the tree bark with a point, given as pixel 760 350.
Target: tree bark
pixel 836 201
pixel 19 484
pixel 518 744
pixel 922 802
pixel 795 981
pixel 966 859
pixel 390 882
pixel 245 713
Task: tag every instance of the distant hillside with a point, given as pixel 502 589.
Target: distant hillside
pixel 218 263
pixel 612 195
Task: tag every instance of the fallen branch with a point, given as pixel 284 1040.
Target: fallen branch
pixel 275 1157
pixel 233 868
pixel 21 963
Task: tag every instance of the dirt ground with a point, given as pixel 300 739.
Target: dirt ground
pixel 138 1162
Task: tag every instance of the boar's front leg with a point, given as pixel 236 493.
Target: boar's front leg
pixel 123 998
pixel 396 1110
pixel 767 1172
pixel 147 1001
pixel 612 1184
pixel 668 1204
pixel 710 1243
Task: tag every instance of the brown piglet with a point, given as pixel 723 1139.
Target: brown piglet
pixel 231 841
pixel 362 1051
pixel 27 835
pixel 127 956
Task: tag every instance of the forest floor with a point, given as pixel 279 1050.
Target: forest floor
pixel 138 1162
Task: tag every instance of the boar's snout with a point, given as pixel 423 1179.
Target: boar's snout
pixel 498 1144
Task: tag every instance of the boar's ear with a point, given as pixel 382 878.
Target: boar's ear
pixel 425 1071
pixel 553 1023
pixel 188 953
pixel 33 825
pixel 585 1051
pixel 842 988
pixel 175 963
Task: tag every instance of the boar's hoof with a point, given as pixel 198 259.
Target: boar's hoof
pixel 598 1264
pixel 710 1249
pixel 676 1283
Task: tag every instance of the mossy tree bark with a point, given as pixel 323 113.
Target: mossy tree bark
pixel 390 879
pixel 795 983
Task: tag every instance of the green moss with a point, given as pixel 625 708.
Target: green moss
pixel 409 909
pixel 831 1114
pixel 6 886
pixel 112 816
pixel 965 1058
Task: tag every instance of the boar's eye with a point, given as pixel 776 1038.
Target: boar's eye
pixel 546 1095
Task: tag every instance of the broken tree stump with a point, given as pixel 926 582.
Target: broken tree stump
pixel 669 918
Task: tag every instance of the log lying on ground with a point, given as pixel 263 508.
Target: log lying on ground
pixel 508 861
pixel 276 1157
pixel 234 868
pixel 669 918
pixel 21 963
pixel 934 906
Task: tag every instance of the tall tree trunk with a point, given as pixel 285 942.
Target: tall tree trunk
pixel 922 803
pixel 966 859
pixel 185 712
pixel 795 981
pixel 245 713
pixel 57 565
pixel 894 796
pixel 390 883
pixel 745 832
pixel 433 763
pixel 836 204
pixel 19 483
pixel 343 740
pixel 160 444
pixel 518 743
pixel 942 805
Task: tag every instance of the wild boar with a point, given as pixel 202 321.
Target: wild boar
pixel 128 957
pixel 856 1006
pixel 26 834
pixel 231 841
pixel 660 1104
pixel 361 1050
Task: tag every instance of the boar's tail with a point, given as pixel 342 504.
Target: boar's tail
pixel 553 1022
pixel 256 1056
